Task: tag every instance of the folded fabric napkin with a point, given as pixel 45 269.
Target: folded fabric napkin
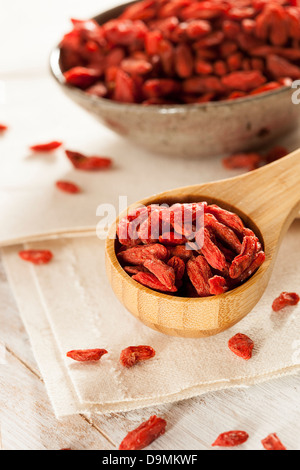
pixel 68 304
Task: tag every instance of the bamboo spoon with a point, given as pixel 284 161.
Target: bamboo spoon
pixel 268 200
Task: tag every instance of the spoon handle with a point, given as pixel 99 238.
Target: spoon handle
pixel 269 195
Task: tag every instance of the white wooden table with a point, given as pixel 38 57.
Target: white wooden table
pixel 26 417
pixel 28 423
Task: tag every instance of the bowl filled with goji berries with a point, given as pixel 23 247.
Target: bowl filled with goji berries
pixel 187 77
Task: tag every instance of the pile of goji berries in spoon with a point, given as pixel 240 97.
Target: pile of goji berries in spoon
pixel 191 250
pixel 186 51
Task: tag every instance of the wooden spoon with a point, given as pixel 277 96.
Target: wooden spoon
pixel 268 200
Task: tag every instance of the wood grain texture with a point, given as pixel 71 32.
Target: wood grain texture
pixel 27 421
pixel 268 200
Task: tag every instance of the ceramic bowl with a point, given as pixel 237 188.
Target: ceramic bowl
pixel 201 130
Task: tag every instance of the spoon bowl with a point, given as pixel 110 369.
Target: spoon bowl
pixel 267 200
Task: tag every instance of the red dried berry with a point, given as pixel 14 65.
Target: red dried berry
pixel 144 435
pixel 81 162
pixel 48 147
pixel 82 77
pixel 272 442
pixel 134 354
pixel 247 161
pixel 284 300
pixel 276 153
pixel 231 439
pixel 3 127
pixel 241 345
pixel 217 285
pixel 209 243
pixel 68 187
pixel 86 355
pixel 36 256
pixel 164 273
pixel 244 260
pixel 151 281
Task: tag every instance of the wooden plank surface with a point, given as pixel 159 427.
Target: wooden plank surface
pixel 28 423
pixel 26 417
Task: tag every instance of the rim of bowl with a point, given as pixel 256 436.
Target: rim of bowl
pixel 163 109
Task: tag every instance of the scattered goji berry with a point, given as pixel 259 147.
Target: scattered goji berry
pixel 241 345
pixel 68 187
pixel 284 300
pixel 272 442
pixel 48 147
pixel 86 355
pixel 134 354
pixel 247 161
pixel 276 153
pixel 144 435
pixel 82 162
pixel 3 127
pixel 231 439
pixel 36 256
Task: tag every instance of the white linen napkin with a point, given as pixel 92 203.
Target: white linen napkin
pixel 68 304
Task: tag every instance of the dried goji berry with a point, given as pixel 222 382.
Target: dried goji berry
pixel 172 238
pixel 244 260
pixel 259 259
pixel 284 300
pixel 144 435
pixel 82 77
pixel 139 254
pixel 223 232
pixel 276 153
pixel 135 269
pixel 217 285
pixel 48 147
pixel 226 217
pixel 178 265
pixel 199 272
pixel 272 442
pixel 231 439
pixel 86 355
pixel 125 88
pixel 134 354
pixel 151 281
pixel 243 80
pixel 247 161
pixel 210 251
pixel 279 67
pixel 241 345
pixel 3 127
pixel 136 66
pixel 68 187
pixel 82 162
pixel 36 256
pixel 99 89
pixel 164 273
pixel 212 245
pixel 184 61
